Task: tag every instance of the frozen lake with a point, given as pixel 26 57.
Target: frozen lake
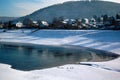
pixel 31 58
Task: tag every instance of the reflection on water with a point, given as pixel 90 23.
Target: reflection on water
pixel 30 58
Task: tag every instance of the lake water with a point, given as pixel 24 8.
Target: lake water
pixel 31 58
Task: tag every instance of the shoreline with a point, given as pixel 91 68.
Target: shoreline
pixel 101 40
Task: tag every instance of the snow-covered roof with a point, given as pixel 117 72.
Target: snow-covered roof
pixel 45 23
pixel 35 22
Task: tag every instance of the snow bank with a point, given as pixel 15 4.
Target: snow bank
pixel 6 73
pixel 103 40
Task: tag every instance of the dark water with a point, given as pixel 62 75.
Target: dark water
pixel 31 58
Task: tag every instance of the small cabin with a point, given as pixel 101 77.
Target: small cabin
pixel 43 24
pixel 19 24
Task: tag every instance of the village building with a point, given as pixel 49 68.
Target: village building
pixel 19 24
pixel 43 24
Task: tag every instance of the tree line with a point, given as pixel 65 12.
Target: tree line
pixel 102 22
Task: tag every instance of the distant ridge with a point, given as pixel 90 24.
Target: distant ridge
pixel 5 19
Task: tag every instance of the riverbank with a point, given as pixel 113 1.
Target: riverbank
pixel 103 40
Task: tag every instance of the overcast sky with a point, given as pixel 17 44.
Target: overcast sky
pixel 18 8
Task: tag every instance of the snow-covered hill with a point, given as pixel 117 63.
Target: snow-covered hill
pixel 76 9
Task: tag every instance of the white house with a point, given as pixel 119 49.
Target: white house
pixel 93 21
pixel 43 24
pixel 85 21
pixel 35 23
pixel 65 21
pixel 19 24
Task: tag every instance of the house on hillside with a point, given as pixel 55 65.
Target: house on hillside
pixel 93 23
pixel 85 23
pixel 72 24
pixel 99 22
pixel 79 23
pixel 43 24
pixel 64 24
pixel 35 24
pixel 65 21
pixel 19 24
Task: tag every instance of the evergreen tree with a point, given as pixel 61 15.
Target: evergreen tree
pixel 95 17
pixel 105 17
pixel 9 24
pixel 112 20
pixel 27 22
pixel 118 16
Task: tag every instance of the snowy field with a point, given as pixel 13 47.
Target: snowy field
pixel 97 39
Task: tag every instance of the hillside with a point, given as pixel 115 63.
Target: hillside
pixel 75 9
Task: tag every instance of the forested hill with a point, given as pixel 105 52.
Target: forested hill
pixel 75 9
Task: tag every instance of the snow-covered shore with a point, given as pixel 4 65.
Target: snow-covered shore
pixel 103 40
